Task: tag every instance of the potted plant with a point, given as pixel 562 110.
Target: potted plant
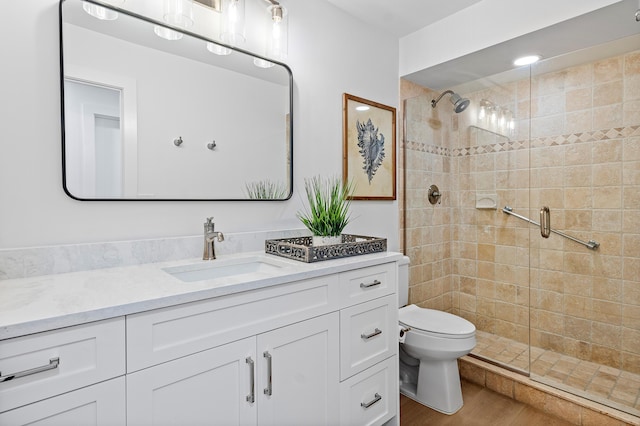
pixel 328 211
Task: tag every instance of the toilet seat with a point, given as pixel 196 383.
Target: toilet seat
pixel 441 324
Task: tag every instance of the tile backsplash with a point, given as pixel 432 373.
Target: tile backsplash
pixel 48 260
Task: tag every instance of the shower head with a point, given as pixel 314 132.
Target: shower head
pixel 459 103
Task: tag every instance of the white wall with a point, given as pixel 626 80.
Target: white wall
pixel 329 53
pixel 485 24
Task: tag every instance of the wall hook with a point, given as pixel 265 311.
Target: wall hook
pixel 178 141
pixel 211 145
pixel 434 195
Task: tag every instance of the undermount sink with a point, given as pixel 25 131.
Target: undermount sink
pixel 225 268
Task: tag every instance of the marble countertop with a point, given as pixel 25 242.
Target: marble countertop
pixel 32 305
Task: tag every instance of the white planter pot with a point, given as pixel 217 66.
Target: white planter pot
pixel 318 240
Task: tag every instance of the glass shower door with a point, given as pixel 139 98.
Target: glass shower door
pixel 585 274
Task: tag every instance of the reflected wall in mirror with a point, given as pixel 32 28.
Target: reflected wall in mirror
pixel 145 118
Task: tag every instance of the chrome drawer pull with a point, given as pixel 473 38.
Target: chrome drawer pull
pixel 53 364
pixel 373 284
pixel 369 336
pixel 252 381
pixel 269 389
pixel 376 398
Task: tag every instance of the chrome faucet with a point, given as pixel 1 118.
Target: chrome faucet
pixel 210 235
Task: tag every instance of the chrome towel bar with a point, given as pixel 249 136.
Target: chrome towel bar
pixel 591 244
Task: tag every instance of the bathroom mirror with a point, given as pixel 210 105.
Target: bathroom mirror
pixel 148 118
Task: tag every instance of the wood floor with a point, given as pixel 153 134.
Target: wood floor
pixel 482 407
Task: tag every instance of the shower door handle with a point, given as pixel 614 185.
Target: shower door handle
pixel 545 222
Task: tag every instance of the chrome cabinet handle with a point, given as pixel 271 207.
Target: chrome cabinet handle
pixel 545 222
pixel 369 336
pixel 252 381
pixel 53 364
pixel 373 284
pixel 269 389
pixel 375 399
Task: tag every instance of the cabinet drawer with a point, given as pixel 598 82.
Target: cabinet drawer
pixel 162 335
pixel 97 405
pixel 371 397
pixel 368 283
pixel 368 334
pixel 85 354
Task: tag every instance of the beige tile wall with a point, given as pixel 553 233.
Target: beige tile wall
pixel 577 147
pixel 427 228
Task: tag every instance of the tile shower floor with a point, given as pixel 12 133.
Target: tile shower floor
pixel 610 386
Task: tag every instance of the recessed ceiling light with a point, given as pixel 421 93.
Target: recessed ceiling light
pixel 526 60
pixel 362 108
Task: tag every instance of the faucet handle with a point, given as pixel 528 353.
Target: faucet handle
pixel 209 225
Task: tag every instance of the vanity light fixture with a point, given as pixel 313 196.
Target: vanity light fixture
pixel 495 118
pixel 277 35
pixel 101 12
pixel 178 13
pixel 232 22
pixel 218 49
pixel 232 30
pixel 526 60
pixel 166 33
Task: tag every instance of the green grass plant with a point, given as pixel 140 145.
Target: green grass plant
pixel 328 211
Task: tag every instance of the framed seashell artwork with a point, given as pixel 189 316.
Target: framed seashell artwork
pixel 369 148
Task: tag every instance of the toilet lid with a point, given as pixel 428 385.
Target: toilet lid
pixel 435 321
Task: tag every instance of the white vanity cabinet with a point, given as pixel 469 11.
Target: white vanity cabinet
pixel 290 373
pixel 214 384
pixel 368 346
pixel 102 404
pixel 73 375
pixel 318 351
pixel 298 375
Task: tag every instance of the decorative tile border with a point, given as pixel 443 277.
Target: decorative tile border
pixel 597 135
pixel 423 147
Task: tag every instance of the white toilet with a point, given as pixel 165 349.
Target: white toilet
pixel 430 351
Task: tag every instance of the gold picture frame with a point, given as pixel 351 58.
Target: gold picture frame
pixel 369 148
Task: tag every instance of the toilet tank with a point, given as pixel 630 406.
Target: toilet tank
pixel 403 281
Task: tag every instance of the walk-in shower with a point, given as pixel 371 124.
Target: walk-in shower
pixel 565 311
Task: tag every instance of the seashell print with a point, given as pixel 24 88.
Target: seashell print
pixel 371 147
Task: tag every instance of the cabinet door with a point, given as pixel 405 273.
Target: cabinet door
pixel 298 373
pixel 98 405
pixel 213 387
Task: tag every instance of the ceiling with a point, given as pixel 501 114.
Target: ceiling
pixel 401 17
pixel 610 24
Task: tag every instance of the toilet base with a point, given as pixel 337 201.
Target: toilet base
pixel 438 386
